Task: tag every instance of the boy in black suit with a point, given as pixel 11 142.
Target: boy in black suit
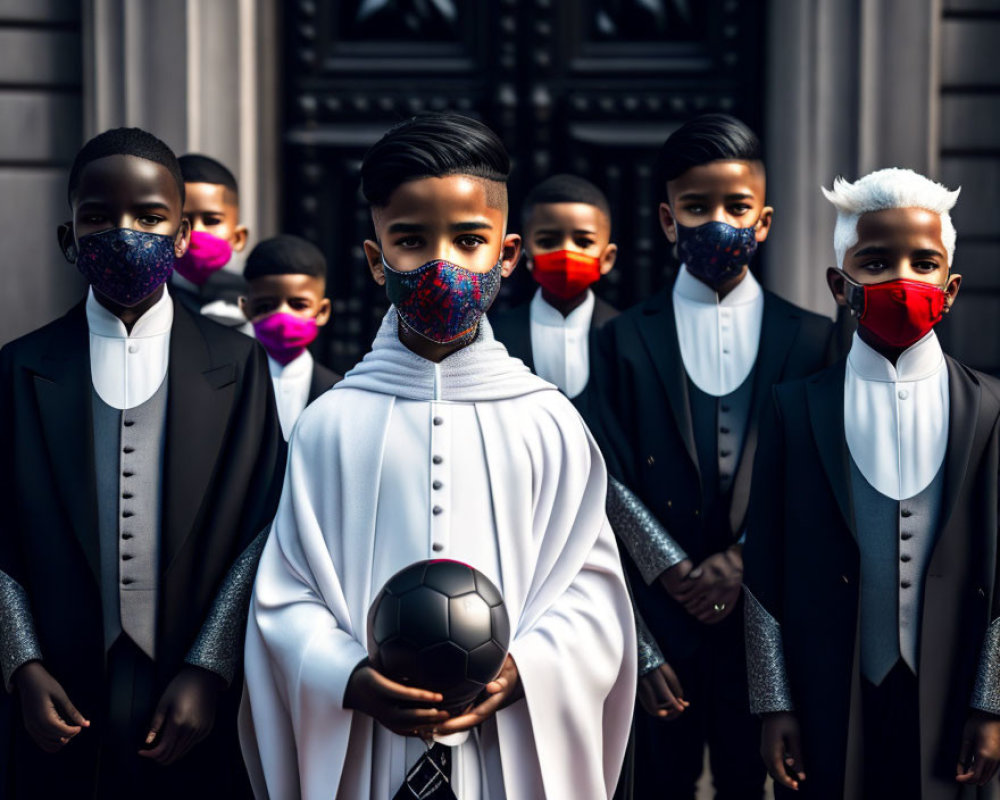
pixel 287 304
pixel 873 604
pixel 567 239
pixel 676 388
pixel 140 460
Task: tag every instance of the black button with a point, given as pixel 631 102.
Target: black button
pixel 437 484
pixel 127 581
pixel 905 536
pixel 128 449
pixel 127 474
pixel 437 547
pixel 126 536
pixel 724 476
pixel 437 459
pixel 438 421
pixel 906 513
pixel 904 558
pixel 725 453
pixel 436 510
pixel 127 495
pixel 127 514
pixel 724 407
pixel 723 430
pixel 126 557
pixel 128 423
pixel 905 584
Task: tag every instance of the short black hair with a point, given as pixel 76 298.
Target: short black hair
pixel 124 142
pixel 432 146
pixel 710 137
pixel 565 188
pixel 285 255
pixel 197 168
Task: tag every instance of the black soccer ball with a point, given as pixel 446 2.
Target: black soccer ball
pixel 439 625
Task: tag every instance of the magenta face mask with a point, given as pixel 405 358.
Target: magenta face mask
pixel 206 254
pixel 285 336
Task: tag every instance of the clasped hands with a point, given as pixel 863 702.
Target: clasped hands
pixel 409 711
pixel 709 591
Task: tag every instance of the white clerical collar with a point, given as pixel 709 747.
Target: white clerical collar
pixel 298 367
pixel 155 321
pixel 920 360
pixel 689 288
pixel 579 318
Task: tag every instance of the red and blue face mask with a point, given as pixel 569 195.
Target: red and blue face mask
pixel 125 265
pixel 716 252
pixel 442 301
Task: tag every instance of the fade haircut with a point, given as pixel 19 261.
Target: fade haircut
pixel 565 189
pixel 124 142
pixel 197 168
pixel 702 140
pixel 884 189
pixel 434 146
pixel 285 255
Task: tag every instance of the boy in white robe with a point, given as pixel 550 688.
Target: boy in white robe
pixel 439 445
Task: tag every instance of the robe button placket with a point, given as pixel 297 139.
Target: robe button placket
pixel 440 442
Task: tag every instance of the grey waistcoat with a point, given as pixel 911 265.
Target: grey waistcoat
pixel 896 539
pixel 128 455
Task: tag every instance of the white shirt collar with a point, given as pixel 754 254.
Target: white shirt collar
pixel 291 388
pixel 301 365
pixel 579 318
pixel 718 339
pixel 127 367
pixel 920 360
pixel 156 321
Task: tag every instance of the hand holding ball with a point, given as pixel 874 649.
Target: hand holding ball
pixel 439 625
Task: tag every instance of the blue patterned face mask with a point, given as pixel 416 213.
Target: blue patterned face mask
pixel 716 252
pixel 125 265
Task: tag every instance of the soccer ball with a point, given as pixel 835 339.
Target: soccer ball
pixel 439 625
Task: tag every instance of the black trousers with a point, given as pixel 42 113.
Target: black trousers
pixel 103 762
pixel 669 754
pixel 891 730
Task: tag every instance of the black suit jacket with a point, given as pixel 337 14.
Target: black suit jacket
pixel 802 564
pixel 322 379
pixel 223 469
pixel 513 328
pixel 638 409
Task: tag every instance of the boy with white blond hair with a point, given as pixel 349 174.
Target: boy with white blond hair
pixel 871 564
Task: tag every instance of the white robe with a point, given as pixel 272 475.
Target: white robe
pixel 572 631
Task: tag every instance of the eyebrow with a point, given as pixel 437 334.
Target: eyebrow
pixel 705 195
pixel 459 227
pixel 557 231
pixel 877 250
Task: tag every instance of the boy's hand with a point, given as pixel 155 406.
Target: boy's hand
pixel 781 748
pixel 661 693
pixel 401 709
pixel 505 689
pixel 980 753
pixel 711 589
pixel 184 716
pixel 51 719
pixel 674 579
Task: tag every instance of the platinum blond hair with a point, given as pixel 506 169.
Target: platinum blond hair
pixel 883 189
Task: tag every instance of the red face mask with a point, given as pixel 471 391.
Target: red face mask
pixel 897 312
pixel 565 273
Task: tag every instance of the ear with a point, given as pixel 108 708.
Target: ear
pixel 239 238
pixel 838 287
pixel 243 307
pixel 608 258
pixel 951 291
pixel 373 253
pixel 323 316
pixel 764 223
pixel 668 223
pixel 67 242
pixel 183 238
pixel 510 253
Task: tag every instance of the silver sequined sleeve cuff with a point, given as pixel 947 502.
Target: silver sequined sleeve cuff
pixel 769 689
pixel 650 656
pixel 18 640
pixel 220 642
pixel 647 541
pixel 986 692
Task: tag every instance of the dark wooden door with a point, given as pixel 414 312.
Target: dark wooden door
pixel 591 87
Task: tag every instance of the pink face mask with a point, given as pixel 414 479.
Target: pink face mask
pixel 285 336
pixel 206 254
